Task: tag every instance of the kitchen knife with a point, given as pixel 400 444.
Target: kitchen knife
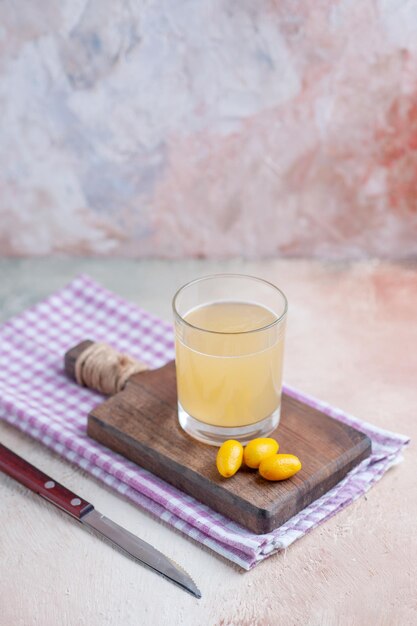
pixel 35 480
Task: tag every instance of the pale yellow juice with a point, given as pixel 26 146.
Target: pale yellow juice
pixel 230 376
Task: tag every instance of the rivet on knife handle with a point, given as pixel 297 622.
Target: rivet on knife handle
pixel 35 480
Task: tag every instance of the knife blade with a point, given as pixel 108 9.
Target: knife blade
pixel 78 508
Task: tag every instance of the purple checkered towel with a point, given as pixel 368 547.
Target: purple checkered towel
pixel 37 397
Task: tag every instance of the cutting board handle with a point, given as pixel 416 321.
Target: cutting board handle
pixel 72 355
pixel 101 367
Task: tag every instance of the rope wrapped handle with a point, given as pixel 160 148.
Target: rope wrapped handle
pixel 99 366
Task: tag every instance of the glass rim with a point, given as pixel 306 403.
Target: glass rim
pixel 179 317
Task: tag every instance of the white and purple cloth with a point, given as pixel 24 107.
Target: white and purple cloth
pixel 37 397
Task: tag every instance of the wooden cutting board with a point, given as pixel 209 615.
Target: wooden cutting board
pixel 141 423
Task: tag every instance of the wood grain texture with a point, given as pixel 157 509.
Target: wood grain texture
pixel 141 423
pixel 357 569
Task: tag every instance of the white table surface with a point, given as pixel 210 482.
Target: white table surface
pixel 352 339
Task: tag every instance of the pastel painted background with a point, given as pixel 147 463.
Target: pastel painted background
pixel 208 128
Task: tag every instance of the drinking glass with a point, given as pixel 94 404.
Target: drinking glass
pixel 229 342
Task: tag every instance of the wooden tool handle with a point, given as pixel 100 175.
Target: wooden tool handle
pixel 38 482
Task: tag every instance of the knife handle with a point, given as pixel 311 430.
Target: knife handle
pixel 35 480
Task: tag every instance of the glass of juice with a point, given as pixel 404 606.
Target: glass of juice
pixel 229 342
